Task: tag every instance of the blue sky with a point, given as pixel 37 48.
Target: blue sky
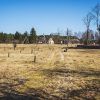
pixel 46 16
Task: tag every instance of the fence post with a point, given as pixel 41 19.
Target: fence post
pixel 4 49
pixel 8 54
pixel 20 51
pixel 31 51
pixel 34 59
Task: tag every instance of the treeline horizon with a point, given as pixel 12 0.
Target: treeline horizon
pixel 32 37
pixel 18 37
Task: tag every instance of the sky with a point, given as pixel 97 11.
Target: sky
pixel 46 16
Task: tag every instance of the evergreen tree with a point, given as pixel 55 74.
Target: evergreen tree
pixel 17 35
pixel 10 37
pixel 4 38
pixel 25 34
pixel 33 36
pixel 1 37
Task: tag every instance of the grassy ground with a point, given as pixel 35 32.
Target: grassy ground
pixel 56 75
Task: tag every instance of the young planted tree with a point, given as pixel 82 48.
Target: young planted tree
pixel 14 45
pixel 87 21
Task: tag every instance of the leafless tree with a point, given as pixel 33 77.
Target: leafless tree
pixel 67 33
pixel 96 14
pixel 87 21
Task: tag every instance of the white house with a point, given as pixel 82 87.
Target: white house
pixel 50 41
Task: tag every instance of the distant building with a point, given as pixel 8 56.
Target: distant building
pixel 41 39
pixel 55 39
pixel 50 41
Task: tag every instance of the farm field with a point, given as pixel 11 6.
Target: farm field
pixel 56 75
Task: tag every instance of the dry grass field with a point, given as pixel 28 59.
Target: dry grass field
pixel 56 75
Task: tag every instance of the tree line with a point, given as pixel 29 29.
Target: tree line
pixel 32 37
pixel 19 37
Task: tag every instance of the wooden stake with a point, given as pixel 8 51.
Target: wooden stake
pixel 34 59
pixel 31 51
pixel 20 51
pixel 8 54
pixel 4 48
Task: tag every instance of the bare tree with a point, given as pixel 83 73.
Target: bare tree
pixel 96 14
pixel 87 21
pixel 68 33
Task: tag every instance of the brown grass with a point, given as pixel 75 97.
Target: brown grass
pixel 56 75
